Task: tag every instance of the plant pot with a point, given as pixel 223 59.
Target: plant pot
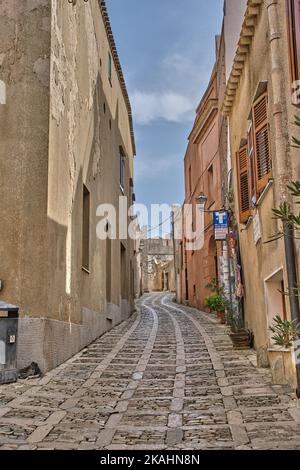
pixel 282 366
pixel 241 339
pixel 221 317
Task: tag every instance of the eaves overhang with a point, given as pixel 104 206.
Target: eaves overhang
pixel 246 37
pixel 114 52
pixel 204 119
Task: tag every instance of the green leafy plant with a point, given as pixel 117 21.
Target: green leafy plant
pixel 215 303
pixel 285 332
pixel 285 212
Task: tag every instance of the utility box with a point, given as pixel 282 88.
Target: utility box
pixel 9 316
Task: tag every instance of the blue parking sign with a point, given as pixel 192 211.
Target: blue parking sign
pixel 221 225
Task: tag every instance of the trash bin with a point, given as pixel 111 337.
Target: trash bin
pixel 9 315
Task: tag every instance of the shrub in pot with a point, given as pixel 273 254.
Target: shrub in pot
pixel 240 337
pixel 215 303
pixel 285 335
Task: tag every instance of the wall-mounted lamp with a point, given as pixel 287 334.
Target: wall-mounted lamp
pixel 201 201
pixel 75 1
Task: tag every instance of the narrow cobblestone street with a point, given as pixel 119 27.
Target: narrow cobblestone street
pixel 166 379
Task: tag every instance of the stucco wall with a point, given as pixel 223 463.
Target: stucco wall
pixel 24 68
pixel 263 259
pixel 63 125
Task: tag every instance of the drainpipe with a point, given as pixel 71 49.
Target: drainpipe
pixel 282 161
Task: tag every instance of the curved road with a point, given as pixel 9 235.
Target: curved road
pixel 167 378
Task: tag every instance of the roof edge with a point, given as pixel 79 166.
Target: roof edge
pixel 115 56
pixel 253 11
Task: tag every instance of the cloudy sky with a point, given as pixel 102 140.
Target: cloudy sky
pixel 167 50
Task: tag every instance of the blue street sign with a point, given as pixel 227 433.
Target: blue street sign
pixel 221 225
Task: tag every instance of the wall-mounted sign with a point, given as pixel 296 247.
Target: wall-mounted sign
pixel 256 229
pixel 221 225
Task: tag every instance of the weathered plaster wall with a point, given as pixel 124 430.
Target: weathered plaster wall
pixel 62 127
pixel 233 19
pixel 262 260
pixel 24 152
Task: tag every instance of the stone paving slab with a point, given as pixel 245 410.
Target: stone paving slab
pixel 168 378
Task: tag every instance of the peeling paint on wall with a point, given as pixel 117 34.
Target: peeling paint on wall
pixel 58 70
pixel 93 55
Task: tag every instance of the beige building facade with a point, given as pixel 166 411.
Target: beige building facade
pixel 260 108
pixel 67 146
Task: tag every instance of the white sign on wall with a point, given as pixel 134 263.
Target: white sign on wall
pixel 256 228
pixel 2 92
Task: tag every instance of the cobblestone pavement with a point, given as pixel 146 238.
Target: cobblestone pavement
pixel 168 378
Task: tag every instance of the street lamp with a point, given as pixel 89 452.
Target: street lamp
pixel 202 200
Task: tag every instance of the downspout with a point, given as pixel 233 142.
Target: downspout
pixel 282 161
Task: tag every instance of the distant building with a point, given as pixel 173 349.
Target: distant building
pixel 203 174
pixel 67 145
pixel 158 265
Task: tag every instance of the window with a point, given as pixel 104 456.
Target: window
pixel 131 195
pixel 263 166
pixel 294 37
pixel 109 67
pixel 254 165
pixel 251 169
pixel 122 169
pixel 86 229
pixel 210 182
pixel 243 183
pixel 190 179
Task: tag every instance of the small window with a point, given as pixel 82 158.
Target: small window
pixel 251 170
pixel 263 162
pixel 294 37
pixel 211 184
pixel 86 229
pixel 109 67
pixel 243 183
pixel 190 180
pixel 122 169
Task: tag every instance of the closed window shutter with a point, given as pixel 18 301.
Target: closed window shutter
pixel 297 37
pixel 263 162
pixel 293 7
pixel 243 177
pixel 252 173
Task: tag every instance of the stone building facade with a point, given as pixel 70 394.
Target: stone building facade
pixel 158 268
pixel 67 146
pixel 203 165
pixel 260 105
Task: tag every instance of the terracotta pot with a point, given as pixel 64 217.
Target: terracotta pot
pixel 241 339
pixel 221 317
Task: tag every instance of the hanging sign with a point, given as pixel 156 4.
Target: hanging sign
pixel 221 225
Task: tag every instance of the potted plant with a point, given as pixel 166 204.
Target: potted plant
pixel 285 334
pixel 241 338
pixel 215 304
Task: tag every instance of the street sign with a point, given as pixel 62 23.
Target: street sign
pixel 221 225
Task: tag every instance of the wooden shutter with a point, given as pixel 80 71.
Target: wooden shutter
pixel 262 154
pixel 251 163
pixel 297 36
pixel 243 183
pixel 294 37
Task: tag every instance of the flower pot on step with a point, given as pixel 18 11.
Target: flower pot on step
pixel 241 339
pixel 221 317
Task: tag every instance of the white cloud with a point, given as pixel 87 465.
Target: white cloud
pixel 175 92
pixel 171 106
pixel 153 168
